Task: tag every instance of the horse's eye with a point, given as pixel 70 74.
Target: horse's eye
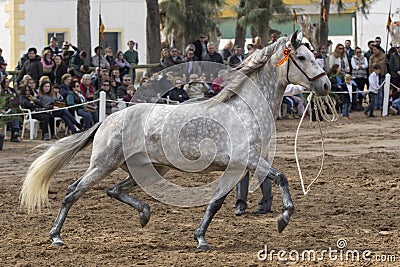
pixel 301 58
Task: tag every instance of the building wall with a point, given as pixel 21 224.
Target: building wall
pixel 24 24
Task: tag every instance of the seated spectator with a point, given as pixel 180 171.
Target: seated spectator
pixel 88 112
pixel 122 89
pixel 237 57
pixel 65 85
pixel 57 95
pixel 217 83
pixel 195 88
pixel 336 77
pixel 98 60
pixel 173 59
pixel 110 97
pixel 394 101
pixel 52 47
pixel 110 58
pixel 96 81
pixel 77 61
pixel 48 102
pixel 87 88
pixel 228 50
pixel 28 101
pixel 32 85
pixel 11 106
pixel 116 75
pixel 178 93
pixel 131 90
pixel 47 60
pixel 122 64
pixel 58 70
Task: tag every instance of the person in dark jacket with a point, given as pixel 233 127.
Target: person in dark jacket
pixel 178 93
pixel 28 101
pixel 32 66
pixel 58 70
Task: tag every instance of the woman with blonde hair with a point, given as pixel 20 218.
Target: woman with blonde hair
pixel 339 57
pixel 47 60
pixel 164 55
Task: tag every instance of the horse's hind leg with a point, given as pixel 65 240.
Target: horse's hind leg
pixel 75 191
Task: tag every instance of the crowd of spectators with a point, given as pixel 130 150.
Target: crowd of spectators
pixel 59 77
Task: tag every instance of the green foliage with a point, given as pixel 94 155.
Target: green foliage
pixel 189 18
pixel 7 104
pixel 259 12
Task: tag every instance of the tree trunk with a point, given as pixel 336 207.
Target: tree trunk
pixel 83 28
pixel 240 32
pixel 153 38
pixel 323 32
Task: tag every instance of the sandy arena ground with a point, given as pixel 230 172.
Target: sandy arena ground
pixel 356 200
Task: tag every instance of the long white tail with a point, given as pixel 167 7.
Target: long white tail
pixel 34 191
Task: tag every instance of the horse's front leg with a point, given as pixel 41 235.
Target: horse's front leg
pixel 264 169
pixel 212 208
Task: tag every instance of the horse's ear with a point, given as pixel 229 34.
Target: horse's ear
pixel 296 39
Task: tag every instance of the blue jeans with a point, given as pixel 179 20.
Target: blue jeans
pixel 88 117
pixel 346 109
pixel 370 108
pixel 396 104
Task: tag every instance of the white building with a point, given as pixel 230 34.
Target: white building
pixel 25 24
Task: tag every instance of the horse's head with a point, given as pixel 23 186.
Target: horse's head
pixel 302 68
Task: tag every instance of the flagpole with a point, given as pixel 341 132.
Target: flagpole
pixel 99 32
pixel 387 27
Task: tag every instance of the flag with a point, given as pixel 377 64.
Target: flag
pixel 294 16
pixel 101 28
pixel 389 21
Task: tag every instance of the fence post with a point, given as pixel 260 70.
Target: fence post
pixel 102 106
pixel 386 95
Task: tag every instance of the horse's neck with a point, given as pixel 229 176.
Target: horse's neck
pixel 270 85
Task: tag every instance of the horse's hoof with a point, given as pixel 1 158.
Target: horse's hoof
pixel 144 216
pixel 204 247
pixel 282 223
pixel 58 243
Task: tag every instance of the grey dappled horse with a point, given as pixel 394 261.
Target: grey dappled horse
pixel 131 139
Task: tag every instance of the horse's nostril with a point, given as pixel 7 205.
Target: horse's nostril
pixel 326 86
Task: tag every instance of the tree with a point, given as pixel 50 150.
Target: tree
pixel 258 13
pixel 186 19
pixel 83 28
pixel 240 31
pixel 153 32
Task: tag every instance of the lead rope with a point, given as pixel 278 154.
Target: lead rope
pixel 319 104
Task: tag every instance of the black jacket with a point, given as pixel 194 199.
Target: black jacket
pixel 32 67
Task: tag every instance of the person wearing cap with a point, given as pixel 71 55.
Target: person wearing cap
pixel 132 56
pixel 200 45
pixel 32 66
pixel 195 88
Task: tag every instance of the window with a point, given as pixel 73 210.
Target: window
pixel 61 37
pixel 113 40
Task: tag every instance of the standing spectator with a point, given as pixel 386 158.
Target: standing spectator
pixel 228 50
pixel 339 57
pixel 192 65
pixel 53 47
pixel 347 97
pixel 32 66
pixel 58 70
pixel 250 50
pixel 349 52
pixel 237 57
pixel 132 56
pixel 257 43
pixel 212 56
pixel 200 47
pixel 164 55
pixel 173 59
pixel 122 64
pixel 394 63
pixel 1 56
pixel 47 60
pixel 195 88
pixel 378 57
pixel 359 64
pixel 98 59
pixel 322 58
pixel 369 52
pixel 378 42
pixel 373 89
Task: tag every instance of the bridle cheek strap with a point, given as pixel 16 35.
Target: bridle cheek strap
pixel 302 71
